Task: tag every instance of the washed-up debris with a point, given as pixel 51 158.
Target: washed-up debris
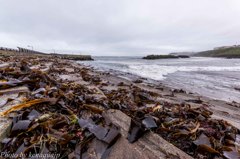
pixel 27 104
pixel 47 121
pixel 8 84
pixel 198 101
pixel 138 81
pixel 178 91
pixel 62 117
pixel 21 125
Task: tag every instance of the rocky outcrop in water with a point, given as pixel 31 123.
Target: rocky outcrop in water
pixel 153 57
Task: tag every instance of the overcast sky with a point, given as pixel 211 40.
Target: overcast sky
pixel 119 27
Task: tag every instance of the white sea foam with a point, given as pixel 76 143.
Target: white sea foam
pixel 212 77
pixel 159 72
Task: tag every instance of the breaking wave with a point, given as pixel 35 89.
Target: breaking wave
pixel 212 77
pixel 159 72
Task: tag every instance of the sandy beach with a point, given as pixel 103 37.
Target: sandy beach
pixel 80 92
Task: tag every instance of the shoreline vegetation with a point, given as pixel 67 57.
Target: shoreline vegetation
pixel 58 107
pixel 233 52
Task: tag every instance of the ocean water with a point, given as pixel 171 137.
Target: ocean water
pixel 217 78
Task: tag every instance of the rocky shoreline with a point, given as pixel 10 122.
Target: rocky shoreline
pixel 56 106
pixel 11 52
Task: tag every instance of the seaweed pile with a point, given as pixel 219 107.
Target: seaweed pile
pixel 190 129
pixel 53 119
pixel 63 117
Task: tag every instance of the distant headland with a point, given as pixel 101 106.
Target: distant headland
pixel 223 51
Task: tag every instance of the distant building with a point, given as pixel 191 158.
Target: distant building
pixel 7 49
pixel 24 50
pixel 21 50
pixel 227 47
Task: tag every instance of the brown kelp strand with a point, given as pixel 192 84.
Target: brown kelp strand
pixel 61 113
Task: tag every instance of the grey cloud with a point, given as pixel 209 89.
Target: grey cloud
pixel 111 27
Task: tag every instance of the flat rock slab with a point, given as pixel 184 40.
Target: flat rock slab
pixel 149 146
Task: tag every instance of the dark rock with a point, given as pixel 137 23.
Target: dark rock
pixel 135 132
pixel 197 101
pixel 183 56
pixel 179 91
pixel 154 57
pixel 105 134
pixel 149 123
pixel 138 81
